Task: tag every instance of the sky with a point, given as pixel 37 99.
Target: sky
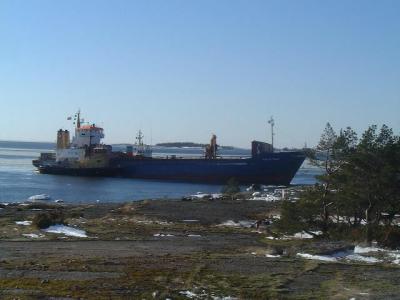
pixel 181 70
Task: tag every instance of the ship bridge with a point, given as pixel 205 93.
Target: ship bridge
pixel 87 135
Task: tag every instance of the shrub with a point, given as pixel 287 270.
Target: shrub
pixel 232 187
pixel 389 237
pixel 45 219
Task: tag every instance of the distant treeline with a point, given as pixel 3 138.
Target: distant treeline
pixel 188 144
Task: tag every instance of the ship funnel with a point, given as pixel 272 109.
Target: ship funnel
pixel 211 149
pixel 62 139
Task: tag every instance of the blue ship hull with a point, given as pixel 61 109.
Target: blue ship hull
pixel 271 168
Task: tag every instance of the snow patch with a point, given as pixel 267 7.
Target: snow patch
pixel 162 235
pixel 200 195
pixel 268 198
pixel 203 295
pixel 303 235
pixel 66 230
pixel 272 256
pixel 24 223
pixel 231 223
pixel 360 249
pixel 317 257
pixel 33 235
pixel 357 255
pixel 396 256
pixel 366 259
pixel 188 294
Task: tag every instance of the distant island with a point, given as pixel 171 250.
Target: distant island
pixel 189 144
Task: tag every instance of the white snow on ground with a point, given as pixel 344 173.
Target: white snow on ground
pixel 66 230
pixel 396 257
pixel 201 195
pixel 24 223
pixel 231 223
pixel 318 232
pixel 391 255
pixel 204 295
pixel 216 196
pixel 298 235
pixel 272 256
pixel 360 249
pixel 32 235
pixel 194 235
pixel 268 198
pixel 317 257
pixel 303 235
pixel 246 223
pixel 162 235
pixel 367 259
pixel 357 255
pixel 188 294
pixel 283 238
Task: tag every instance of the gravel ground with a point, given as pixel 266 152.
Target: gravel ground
pixel 174 249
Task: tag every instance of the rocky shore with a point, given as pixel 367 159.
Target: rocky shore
pixel 183 249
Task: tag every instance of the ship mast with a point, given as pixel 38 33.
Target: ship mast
pixel 272 123
pixel 139 138
pixel 77 119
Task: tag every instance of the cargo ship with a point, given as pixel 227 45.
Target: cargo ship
pixel 86 155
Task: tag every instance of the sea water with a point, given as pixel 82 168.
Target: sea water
pixel 19 180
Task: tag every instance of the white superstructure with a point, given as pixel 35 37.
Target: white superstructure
pixel 139 149
pixel 87 137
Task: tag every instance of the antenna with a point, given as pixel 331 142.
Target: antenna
pixel 77 119
pixel 151 135
pixel 272 123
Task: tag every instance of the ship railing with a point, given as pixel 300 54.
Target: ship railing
pixel 200 157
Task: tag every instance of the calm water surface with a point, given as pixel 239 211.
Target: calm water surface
pixel 19 180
